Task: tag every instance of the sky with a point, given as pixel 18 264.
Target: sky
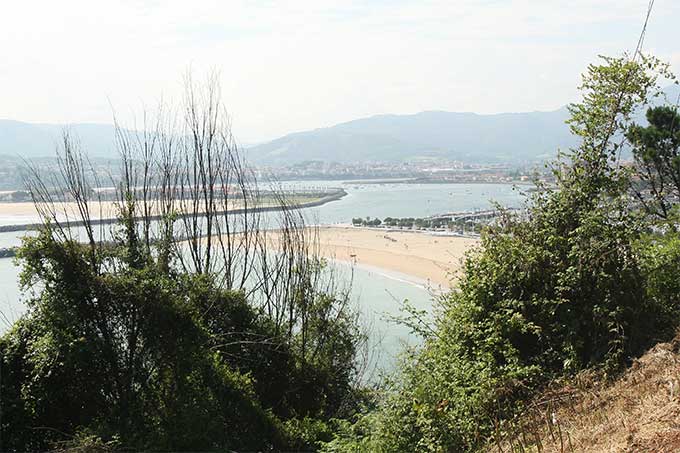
pixel 288 66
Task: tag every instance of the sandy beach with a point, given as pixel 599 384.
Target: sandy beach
pixel 429 258
pixel 108 209
pixel 27 208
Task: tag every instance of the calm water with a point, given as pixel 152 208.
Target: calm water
pixel 376 292
pixel 409 200
pixel 380 296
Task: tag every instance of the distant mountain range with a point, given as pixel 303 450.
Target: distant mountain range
pixel 462 136
pixel 506 137
pixel 469 137
pixel 31 140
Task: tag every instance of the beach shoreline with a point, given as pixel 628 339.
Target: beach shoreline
pixel 421 258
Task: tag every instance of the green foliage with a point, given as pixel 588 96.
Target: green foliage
pixel 308 434
pixel 358 221
pixel 656 149
pixel 460 225
pixel 660 261
pixel 124 354
pixel 117 348
pixel 531 307
pixel 86 442
pixel 571 284
pixel 180 324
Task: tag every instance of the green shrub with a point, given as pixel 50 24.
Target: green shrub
pixel 164 361
pixel 570 284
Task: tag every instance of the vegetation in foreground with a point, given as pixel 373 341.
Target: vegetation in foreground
pixel 635 413
pixel 147 344
pixel 136 340
pixel 586 279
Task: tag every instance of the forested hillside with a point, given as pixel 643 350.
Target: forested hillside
pixel 447 135
pixel 468 137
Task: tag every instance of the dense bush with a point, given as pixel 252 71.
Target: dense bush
pixel 161 361
pixel 656 149
pixel 126 354
pixel 124 348
pixel 181 324
pixel 573 283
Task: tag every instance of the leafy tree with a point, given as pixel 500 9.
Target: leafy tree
pixel 389 221
pixel 560 288
pixel 183 324
pixel 656 149
pixel 124 354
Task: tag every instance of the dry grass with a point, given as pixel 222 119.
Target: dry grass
pixel 639 412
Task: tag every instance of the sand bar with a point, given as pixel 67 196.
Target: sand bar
pixel 14 216
pixel 107 209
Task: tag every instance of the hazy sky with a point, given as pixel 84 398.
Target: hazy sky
pixel 288 66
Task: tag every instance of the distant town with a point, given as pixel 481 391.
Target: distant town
pixel 422 171
pixel 419 171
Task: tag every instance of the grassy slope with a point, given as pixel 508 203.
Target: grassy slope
pixel 638 412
